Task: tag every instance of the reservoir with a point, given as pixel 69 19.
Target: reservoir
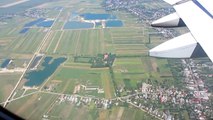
pixel 49 66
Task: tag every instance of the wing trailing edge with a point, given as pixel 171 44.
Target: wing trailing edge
pixel 175 2
pixel 171 20
pixel 180 47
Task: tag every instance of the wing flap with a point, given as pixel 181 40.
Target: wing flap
pixel 180 47
pixel 171 20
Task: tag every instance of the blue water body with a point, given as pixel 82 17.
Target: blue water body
pixel 47 23
pixel 36 78
pixel 24 30
pixel 77 25
pixel 91 16
pixel 34 22
pixel 5 63
pixel 114 23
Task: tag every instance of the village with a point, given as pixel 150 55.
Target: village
pixel 194 100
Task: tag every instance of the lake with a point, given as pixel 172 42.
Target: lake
pixel 49 65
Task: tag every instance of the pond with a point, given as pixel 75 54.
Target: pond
pixel 37 77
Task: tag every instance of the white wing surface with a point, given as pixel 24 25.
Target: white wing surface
pixel 198 17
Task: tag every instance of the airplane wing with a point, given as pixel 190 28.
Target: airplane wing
pixel 197 15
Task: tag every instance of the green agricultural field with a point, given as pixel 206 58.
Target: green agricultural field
pixel 8 82
pixel 77 42
pixel 8 29
pixel 51 47
pixel 130 71
pixel 67 110
pixel 33 106
pixel 28 43
pixel 134 114
pixel 70 76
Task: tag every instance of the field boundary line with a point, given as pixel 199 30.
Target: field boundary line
pixel 56 47
pixel 51 42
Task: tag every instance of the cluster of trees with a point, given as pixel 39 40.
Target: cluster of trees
pixel 103 60
pixel 100 61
